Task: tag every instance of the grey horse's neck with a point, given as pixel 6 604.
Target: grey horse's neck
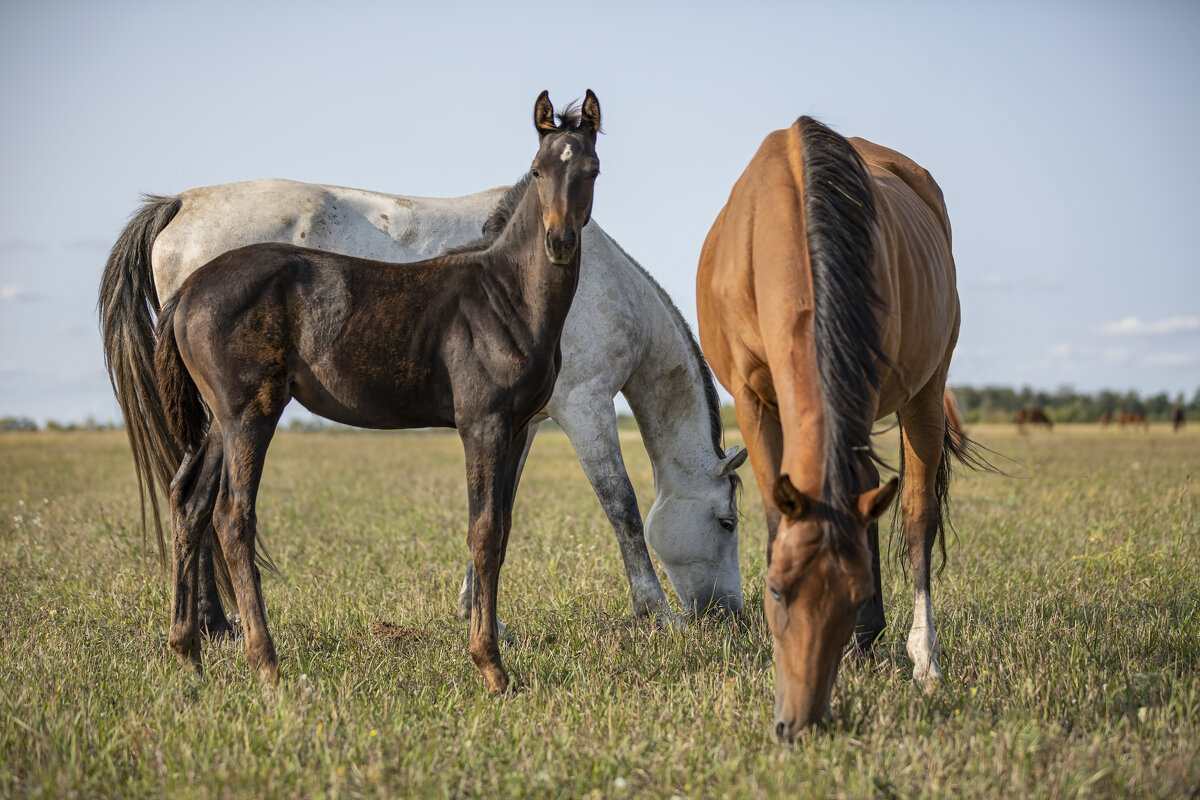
pixel 680 419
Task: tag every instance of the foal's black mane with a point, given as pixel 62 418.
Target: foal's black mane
pixel 840 216
pixel 497 220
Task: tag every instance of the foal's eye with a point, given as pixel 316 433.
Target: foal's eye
pixel 535 172
pixel 728 524
pixel 776 596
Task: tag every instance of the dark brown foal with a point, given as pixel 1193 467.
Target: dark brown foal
pixel 468 340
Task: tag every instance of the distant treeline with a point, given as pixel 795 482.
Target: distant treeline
pixel 988 404
pixel 1000 403
pixel 27 424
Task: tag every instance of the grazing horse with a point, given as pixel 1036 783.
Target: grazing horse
pixel 826 298
pixel 1134 419
pixel 1177 419
pixel 623 334
pixel 467 341
pixel 1032 416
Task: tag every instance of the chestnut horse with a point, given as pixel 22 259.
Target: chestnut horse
pixel 1032 416
pixel 468 340
pixel 826 300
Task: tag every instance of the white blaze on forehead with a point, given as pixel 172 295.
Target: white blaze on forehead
pixel 566 152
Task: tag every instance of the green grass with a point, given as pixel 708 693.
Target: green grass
pixel 1069 615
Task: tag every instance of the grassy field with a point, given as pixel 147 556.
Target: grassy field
pixel 1069 616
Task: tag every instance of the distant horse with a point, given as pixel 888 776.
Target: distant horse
pixel 467 341
pixel 954 420
pixel 1105 419
pixel 1133 419
pixel 1177 419
pixel 623 334
pixel 826 298
pixel 1032 416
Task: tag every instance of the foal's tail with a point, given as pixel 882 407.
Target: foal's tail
pixel 188 419
pixel 126 305
pixel 186 414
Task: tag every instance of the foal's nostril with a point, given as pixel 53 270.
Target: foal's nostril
pixel 780 730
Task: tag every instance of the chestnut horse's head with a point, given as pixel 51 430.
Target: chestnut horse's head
pixel 818 577
pixel 564 171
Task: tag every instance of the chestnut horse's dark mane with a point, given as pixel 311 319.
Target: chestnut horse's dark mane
pixel 840 218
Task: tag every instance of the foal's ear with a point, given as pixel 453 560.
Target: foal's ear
pixel 543 114
pixel 872 504
pixel 591 114
pixel 790 501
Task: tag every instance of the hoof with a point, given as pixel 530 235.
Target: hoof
pixel 187 650
pixel 928 679
pixel 498 683
pixel 218 631
pixel 862 648
pixel 268 673
pixel 265 665
pixel 669 621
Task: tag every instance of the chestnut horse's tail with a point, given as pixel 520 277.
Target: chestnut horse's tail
pixel 126 305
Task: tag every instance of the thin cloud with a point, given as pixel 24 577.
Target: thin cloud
pixel 16 294
pixel 1171 360
pixel 1116 355
pixel 1134 326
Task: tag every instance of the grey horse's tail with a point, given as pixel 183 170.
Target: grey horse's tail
pixel 127 303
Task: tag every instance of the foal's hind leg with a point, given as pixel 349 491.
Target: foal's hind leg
pixel 193 493
pixel 923 428
pixel 235 522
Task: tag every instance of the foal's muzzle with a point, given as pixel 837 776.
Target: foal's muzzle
pixel 560 246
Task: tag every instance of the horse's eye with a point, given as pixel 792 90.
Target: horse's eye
pixel 535 172
pixel 777 596
pixel 729 524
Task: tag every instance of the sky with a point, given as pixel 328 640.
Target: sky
pixel 1065 136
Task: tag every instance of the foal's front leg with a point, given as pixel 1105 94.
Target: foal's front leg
pixel 491 465
pixel 521 451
